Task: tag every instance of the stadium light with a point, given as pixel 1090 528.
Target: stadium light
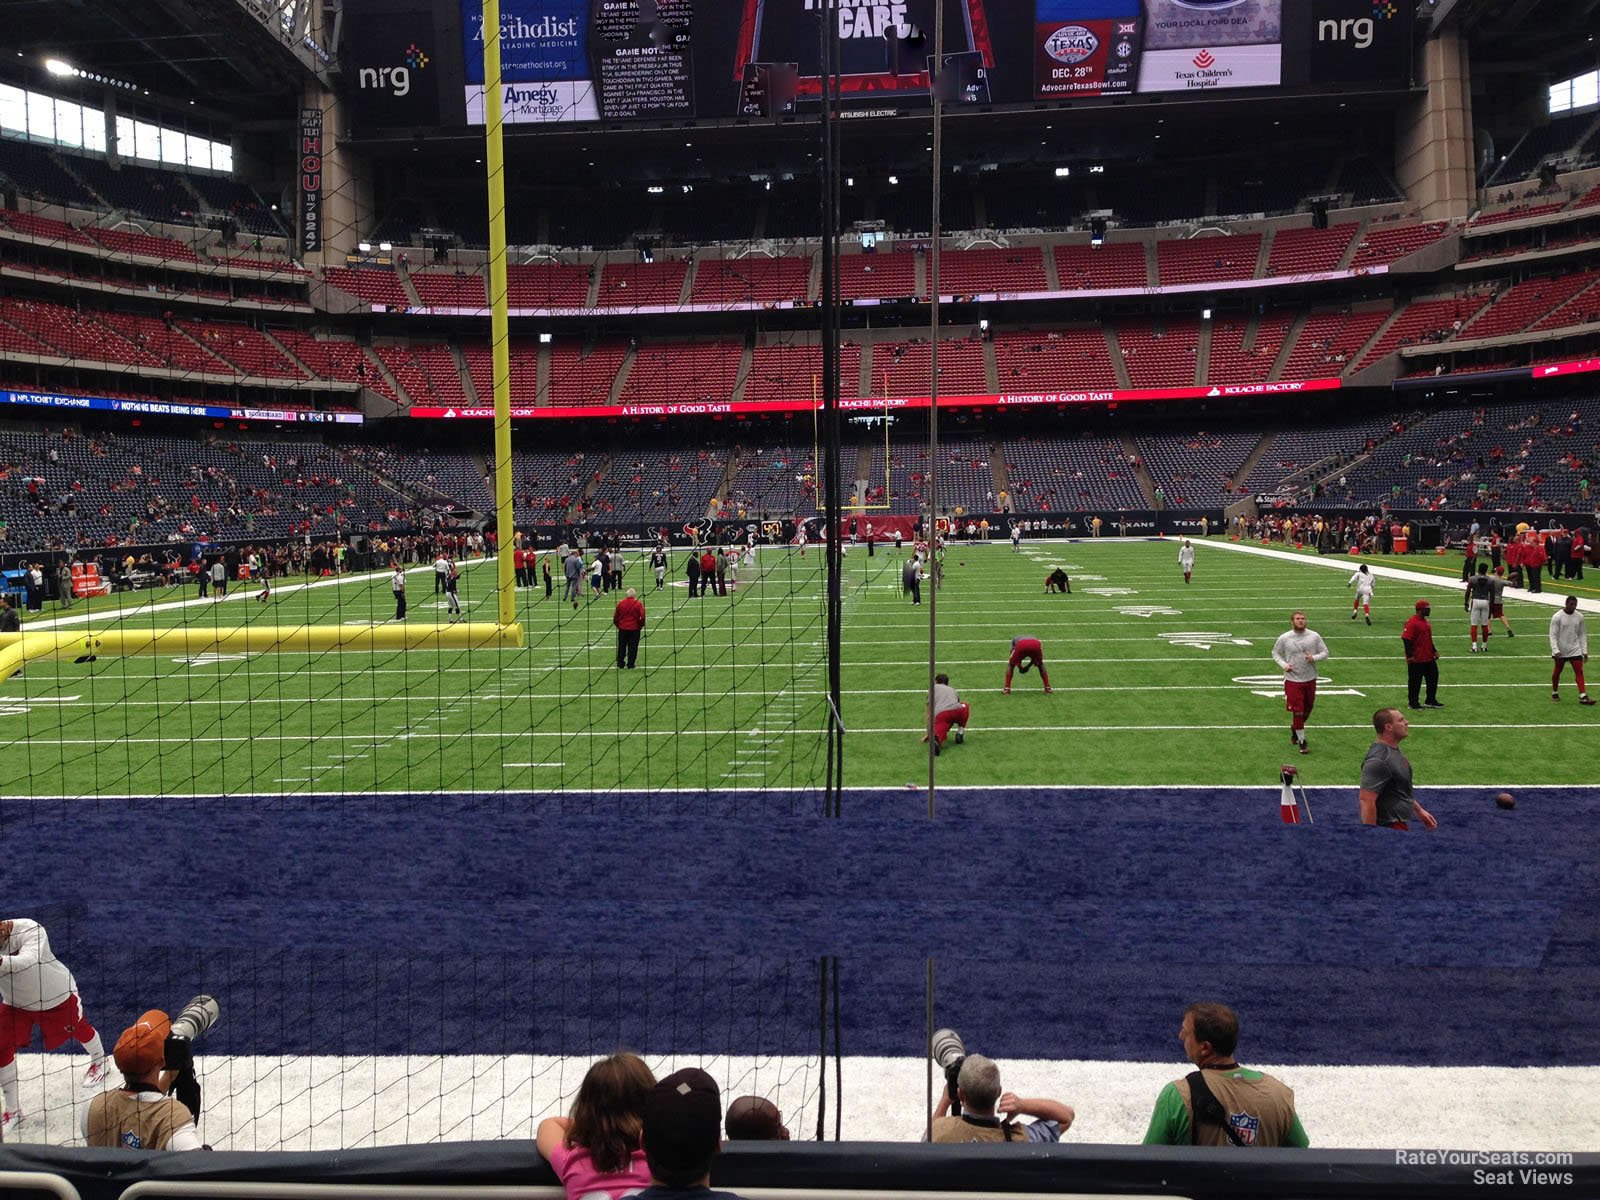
pixel 1097 169
pixel 983 324
pixel 546 338
pixel 1205 314
pixel 364 247
pixel 386 246
pixel 1063 172
pixel 894 179
pixel 655 189
pixel 56 67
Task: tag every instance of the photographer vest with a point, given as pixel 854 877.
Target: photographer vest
pixel 947 1130
pixel 123 1120
pixel 1259 1108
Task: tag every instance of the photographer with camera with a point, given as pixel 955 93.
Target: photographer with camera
pixel 158 1105
pixel 975 1109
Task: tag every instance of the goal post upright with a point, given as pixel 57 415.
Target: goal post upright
pixel 499 318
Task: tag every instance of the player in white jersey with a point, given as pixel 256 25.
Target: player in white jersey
pixel 37 990
pixel 1362 582
pixel 1186 559
pixel 1569 643
pixel 1016 538
pixel 1297 653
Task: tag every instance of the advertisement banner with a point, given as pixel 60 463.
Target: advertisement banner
pixel 389 69
pixel 1085 49
pixel 751 408
pixel 172 408
pixel 1348 41
pixel 544 61
pixel 310 158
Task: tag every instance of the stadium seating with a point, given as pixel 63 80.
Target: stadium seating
pixel 1231 363
pixel 583 374
pixel 1547 141
pixel 1109 265
pixel 1519 307
pixel 906 366
pixel 1519 213
pixel 754 279
pixel 335 358
pixel 1084 474
pixel 877 275
pixel 1424 321
pixel 1390 243
pixel 524 361
pixel 656 486
pixel 547 285
pixel 773 480
pixel 1056 358
pixel 1294 449
pixel 679 373
pixel 1207 259
pixel 1303 251
pixel 1583 307
pixel 247 349
pixel 968 272
pixel 786 371
pixel 144 245
pixel 1328 342
pixel 1159 355
pixel 372 285
pixel 38 175
pixel 44 228
pixel 626 285
pixel 1195 469
pixel 462 289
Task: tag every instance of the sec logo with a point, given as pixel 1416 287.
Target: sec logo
pixel 1071 44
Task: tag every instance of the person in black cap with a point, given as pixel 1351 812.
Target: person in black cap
pixel 682 1136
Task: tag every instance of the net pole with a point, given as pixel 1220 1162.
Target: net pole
pixel 829 34
pixel 933 399
pixel 499 320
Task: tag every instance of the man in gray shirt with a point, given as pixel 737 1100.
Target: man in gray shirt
pixel 1386 794
pixel 574 572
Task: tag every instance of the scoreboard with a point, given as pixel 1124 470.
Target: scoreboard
pixel 414 63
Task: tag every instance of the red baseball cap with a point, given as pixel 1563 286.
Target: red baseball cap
pixel 1423 606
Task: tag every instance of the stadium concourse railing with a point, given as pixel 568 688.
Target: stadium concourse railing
pixel 512 1170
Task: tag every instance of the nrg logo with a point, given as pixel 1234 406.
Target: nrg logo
pixel 1358 31
pixel 397 80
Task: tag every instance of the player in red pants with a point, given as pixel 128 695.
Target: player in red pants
pixel 1569 643
pixel 1026 652
pixel 947 711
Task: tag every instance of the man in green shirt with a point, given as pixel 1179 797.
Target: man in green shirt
pixel 1237 1106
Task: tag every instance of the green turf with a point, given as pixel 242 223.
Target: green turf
pixel 729 691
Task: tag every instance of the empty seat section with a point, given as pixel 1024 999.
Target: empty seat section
pixel 865 276
pixel 905 368
pixel 785 371
pixel 584 374
pixel 682 373
pixel 1110 265
pixel 460 290
pixel 1328 342
pixel 1303 251
pixel 1160 356
pixel 628 285
pixel 1054 360
pixel 968 272
pixel 755 279
pixel 1207 259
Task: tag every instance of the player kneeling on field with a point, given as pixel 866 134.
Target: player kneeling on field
pixel 946 711
pixel 1057 581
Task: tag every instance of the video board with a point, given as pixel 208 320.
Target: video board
pixel 672 60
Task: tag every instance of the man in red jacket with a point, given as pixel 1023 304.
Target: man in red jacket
pixel 1422 660
pixel 1579 555
pixel 1533 560
pixel 628 617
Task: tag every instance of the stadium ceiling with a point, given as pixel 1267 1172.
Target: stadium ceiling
pixel 1534 36
pixel 239 58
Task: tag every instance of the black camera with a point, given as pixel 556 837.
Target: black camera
pixel 197 1016
pixel 949 1051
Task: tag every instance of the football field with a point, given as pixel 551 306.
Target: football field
pixel 1154 683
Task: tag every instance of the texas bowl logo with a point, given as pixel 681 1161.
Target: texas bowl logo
pixel 1204 60
pixel 1071 44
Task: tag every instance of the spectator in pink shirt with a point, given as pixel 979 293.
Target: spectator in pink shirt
pixel 596 1151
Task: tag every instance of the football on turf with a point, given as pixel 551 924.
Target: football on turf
pixel 1506 800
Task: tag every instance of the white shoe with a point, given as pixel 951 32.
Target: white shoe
pixel 95 1077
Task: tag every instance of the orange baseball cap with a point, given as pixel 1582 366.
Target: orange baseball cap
pixel 141 1050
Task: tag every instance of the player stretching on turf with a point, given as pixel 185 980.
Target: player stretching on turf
pixel 1026 652
pixel 1057 581
pixel 1497 599
pixel 947 711
pixel 1298 652
pixel 1362 582
pixel 1186 559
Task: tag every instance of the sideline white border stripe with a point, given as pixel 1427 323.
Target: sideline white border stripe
pixel 1346 563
